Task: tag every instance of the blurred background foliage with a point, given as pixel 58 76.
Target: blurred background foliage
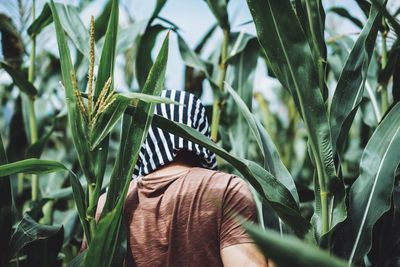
pixel 224 48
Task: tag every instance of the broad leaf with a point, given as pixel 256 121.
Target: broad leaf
pixel 143 59
pixel 28 231
pixel 263 182
pixel 290 57
pixel 341 11
pixel 353 76
pixel 110 231
pixel 6 215
pixel 70 22
pixel 370 195
pixel 20 80
pixel 190 58
pixel 31 166
pixel 272 161
pixel 74 116
pixel 220 10
pixel 289 251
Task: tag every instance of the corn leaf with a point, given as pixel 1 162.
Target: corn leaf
pixel 353 76
pixel 272 161
pixel 74 116
pixel 110 231
pixel 40 166
pixel 290 57
pixel 146 45
pixel 70 22
pixel 370 195
pixel 240 75
pixel 272 191
pixel 6 214
pixel 191 59
pixel 31 166
pixel 311 15
pixel 20 80
pixel 28 231
pixel 289 251
pixel 238 42
pixel 105 71
pixel 220 10
pixel 345 14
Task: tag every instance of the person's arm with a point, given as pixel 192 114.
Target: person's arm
pixel 246 254
pixel 237 248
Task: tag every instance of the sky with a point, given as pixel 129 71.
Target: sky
pixel 194 18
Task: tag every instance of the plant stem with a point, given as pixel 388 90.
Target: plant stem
pixel 31 107
pixel 385 100
pixel 217 104
pixel 91 216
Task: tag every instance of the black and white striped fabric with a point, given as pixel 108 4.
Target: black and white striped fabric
pixel 161 147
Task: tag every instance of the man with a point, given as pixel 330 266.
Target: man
pixel 179 210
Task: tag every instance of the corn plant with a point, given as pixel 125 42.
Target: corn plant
pixel 325 182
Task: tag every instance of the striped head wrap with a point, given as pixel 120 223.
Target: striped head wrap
pixel 161 147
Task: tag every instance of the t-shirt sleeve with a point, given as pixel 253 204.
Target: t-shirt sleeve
pixel 237 200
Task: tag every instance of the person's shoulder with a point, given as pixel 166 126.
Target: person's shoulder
pixel 217 177
pixel 215 174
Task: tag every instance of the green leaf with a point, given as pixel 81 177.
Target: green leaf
pixel 393 59
pixel 110 230
pixel 105 241
pixel 114 112
pixel 391 19
pixel 240 75
pixel 107 120
pixel 159 5
pixel 146 45
pixel 74 116
pixel 6 214
pixel 272 161
pixel 345 14
pixel 28 231
pixel 239 41
pixel 289 251
pixel 312 18
pixel 190 58
pixel 370 195
pixel 108 53
pixel 272 191
pixel 31 166
pixel 70 22
pixel 44 19
pixel 35 150
pixel 11 42
pixel 20 80
pixel 292 61
pixel 78 260
pixel 353 76
pixel 220 10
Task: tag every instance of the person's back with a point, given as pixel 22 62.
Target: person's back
pixel 185 216
pixel 179 210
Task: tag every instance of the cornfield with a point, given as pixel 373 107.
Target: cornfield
pixel 323 168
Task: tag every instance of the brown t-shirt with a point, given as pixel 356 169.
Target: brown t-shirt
pixel 185 219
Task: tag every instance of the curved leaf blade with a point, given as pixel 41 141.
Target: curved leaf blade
pixel 370 195
pixel 20 80
pixel 29 231
pixel 290 58
pixel 350 86
pixel 272 161
pixel 220 10
pixel 288 251
pixel 266 185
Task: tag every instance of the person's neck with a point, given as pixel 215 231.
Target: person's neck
pixel 171 168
